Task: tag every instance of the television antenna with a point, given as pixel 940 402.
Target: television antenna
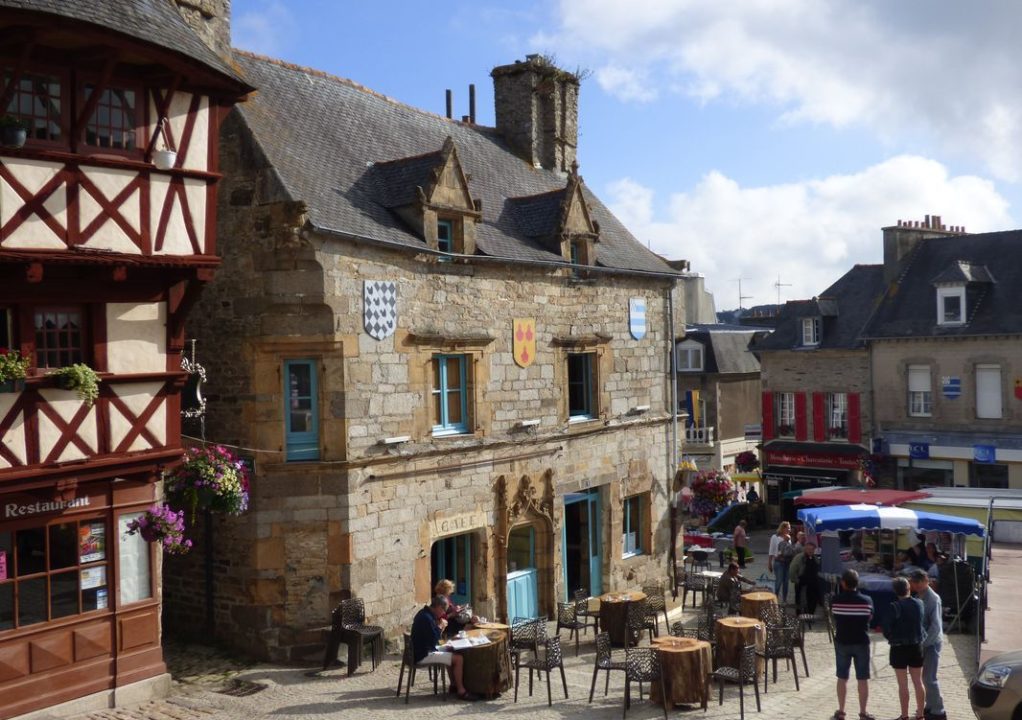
pixel 779 285
pixel 740 296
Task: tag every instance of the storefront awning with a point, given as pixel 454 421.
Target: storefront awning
pixel 858 497
pixel 870 517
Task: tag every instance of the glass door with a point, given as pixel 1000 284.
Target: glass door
pixel 452 560
pixel 581 544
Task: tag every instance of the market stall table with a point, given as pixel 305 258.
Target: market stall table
pixel 754 602
pixel 614 615
pixel 733 634
pixel 685 663
pixel 487 666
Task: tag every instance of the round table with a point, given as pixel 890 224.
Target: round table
pixel 490 626
pixel 487 668
pixel 685 663
pixel 614 616
pixel 733 634
pixel 754 602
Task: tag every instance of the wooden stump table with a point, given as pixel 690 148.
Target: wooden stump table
pixel 487 670
pixel 754 602
pixel 614 616
pixel 733 634
pixel 685 663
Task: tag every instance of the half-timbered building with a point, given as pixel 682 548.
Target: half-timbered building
pixel 107 234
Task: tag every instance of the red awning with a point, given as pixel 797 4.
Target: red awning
pixel 859 497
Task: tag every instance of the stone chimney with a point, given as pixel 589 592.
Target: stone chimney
pixel 537 111
pixel 211 21
pixel 901 239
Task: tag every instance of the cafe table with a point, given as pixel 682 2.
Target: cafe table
pixel 487 668
pixel 614 615
pixel 685 663
pixel 754 602
pixel 733 634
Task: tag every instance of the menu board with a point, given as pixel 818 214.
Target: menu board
pixel 93 577
pixel 91 541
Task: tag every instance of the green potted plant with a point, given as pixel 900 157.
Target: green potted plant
pixel 13 133
pixel 80 378
pixel 12 370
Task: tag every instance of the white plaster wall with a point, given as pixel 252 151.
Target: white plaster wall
pixel 33 233
pixel 137 397
pixel 136 335
pixel 66 404
pixel 110 236
pixel 14 438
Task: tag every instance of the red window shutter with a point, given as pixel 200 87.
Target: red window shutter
pixel 768 416
pixel 801 424
pixel 854 421
pixel 819 428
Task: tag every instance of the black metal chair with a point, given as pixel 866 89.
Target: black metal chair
pixel 746 673
pixel 780 645
pixel 545 662
pixel 678 580
pixel 581 596
pixel 527 634
pixel 642 665
pixel 677 629
pixel 604 661
pixel 700 559
pixel 408 661
pixel 799 638
pixel 656 603
pixel 567 618
pixel 636 620
pixel 348 626
pixel 828 614
pixel 695 584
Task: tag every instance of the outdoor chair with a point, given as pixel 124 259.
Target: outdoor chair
pixel 545 662
pixel 696 584
pixel 677 629
pixel 799 638
pixel 746 673
pixel 604 661
pixel 700 559
pixel 636 620
pixel 584 612
pixel 656 603
pixel 567 618
pixel 642 665
pixel 679 579
pixel 408 661
pixel 348 626
pixel 526 634
pixel 828 615
pixel 780 645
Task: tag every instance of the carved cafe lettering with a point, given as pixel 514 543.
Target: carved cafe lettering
pixel 12 510
pixel 460 522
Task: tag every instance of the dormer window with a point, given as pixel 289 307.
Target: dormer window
pixel 690 356
pixel 810 331
pixel 951 305
pixel 445 236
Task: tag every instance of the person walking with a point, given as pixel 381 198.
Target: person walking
pixel 805 575
pixel 779 559
pixel 852 613
pixel 740 540
pixel 903 628
pixel 932 614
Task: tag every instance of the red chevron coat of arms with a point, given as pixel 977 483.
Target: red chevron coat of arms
pixel 523 341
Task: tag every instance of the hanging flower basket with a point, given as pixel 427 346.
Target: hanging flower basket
pixel 711 490
pixel 210 478
pixel 161 524
pixel 746 461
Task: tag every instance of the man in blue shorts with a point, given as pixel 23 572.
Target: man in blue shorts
pixel 852 613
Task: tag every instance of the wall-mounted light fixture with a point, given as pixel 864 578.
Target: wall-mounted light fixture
pixel 396 440
pixel 639 409
pixel 527 423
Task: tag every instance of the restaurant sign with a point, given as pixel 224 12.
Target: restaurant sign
pixel 16 509
pixel 458 523
pixel 812 459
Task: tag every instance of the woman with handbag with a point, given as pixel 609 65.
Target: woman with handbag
pixel 458 616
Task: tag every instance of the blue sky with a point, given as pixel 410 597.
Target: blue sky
pixel 759 139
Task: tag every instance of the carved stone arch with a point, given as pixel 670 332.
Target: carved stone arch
pixel 522 502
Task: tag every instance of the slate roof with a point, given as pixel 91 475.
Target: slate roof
pixel 153 21
pixel 961 271
pixel 992 308
pixel 845 308
pixel 324 136
pixel 538 216
pixel 396 181
pixel 726 347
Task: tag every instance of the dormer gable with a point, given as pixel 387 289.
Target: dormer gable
pixel 959 289
pixel 431 194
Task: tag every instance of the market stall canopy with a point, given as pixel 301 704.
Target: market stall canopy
pixel 871 517
pixel 859 497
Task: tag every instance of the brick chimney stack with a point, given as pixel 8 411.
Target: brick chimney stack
pixel 901 239
pixel 537 111
pixel 211 21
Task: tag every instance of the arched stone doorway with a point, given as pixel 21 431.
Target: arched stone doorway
pixel 524 536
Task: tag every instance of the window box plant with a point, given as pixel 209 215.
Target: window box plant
pixel 210 478
pixel 785 430
pixel 12 370
pixel 162 524
pixel 80 378
pixel 13 133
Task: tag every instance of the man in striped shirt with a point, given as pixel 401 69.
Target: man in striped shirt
pixel 852 613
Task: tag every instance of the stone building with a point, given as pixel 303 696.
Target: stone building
pixel 946 356
pixel 445 356
pixel 107 235
pixel 816 403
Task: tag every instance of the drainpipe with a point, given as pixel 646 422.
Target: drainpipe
pixel 672 456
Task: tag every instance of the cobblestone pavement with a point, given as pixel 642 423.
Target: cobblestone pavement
pixel 211 686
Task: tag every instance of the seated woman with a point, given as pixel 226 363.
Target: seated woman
pixel 458 616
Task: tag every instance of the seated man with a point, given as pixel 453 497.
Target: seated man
pixel 730 589
pixel 426 628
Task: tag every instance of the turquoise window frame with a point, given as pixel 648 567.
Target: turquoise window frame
pixel 626 526
pixel 587 410
pixel 445 426
pixel 302 445
pixel 445 244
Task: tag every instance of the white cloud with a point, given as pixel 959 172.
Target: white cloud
pixel 267 30
pixel 807 233
pixel 934 69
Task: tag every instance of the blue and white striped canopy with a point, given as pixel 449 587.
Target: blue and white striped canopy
pixel 872 517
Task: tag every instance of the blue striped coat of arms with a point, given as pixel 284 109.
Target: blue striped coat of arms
pixel 952 387
pixel 637 317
